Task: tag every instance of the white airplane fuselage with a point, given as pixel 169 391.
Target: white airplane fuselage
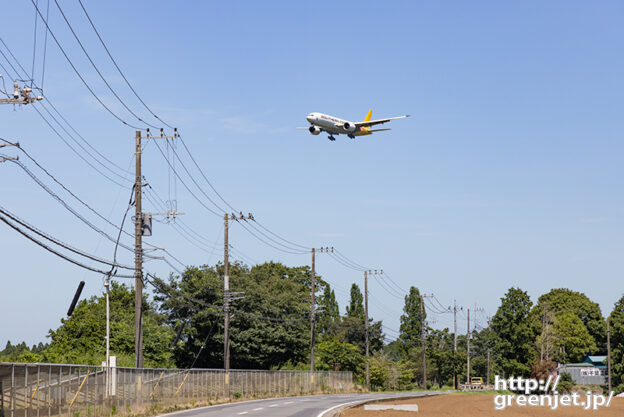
pixel 334 125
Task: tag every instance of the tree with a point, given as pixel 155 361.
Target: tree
pixel 269 326
pixel 514 334
pixel 329 316
pixel 339 356
pixel 563 300
pixel 351 330
pixel 546 339
pixel 80 338
pixel 572 338
pixel 356 307
pixel 412 319
pixel 616 322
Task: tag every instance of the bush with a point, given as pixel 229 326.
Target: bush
pixel 565 383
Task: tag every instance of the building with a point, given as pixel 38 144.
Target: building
pixel 591 371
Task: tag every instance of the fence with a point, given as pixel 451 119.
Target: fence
pixel 39 390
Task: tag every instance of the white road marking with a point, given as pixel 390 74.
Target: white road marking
pixel 258 409
pixel 322 413
pixel 243 412
pixel 273 405
pixel 288 402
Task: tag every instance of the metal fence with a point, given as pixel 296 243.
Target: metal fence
pixel 39 390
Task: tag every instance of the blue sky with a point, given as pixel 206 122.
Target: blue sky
pixel 507 174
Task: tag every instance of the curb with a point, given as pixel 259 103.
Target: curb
pixel 337 410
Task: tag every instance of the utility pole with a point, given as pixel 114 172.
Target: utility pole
pixel 455 382
pixel 107 286
pixel 366 274
pixel 609 354
pixel 313 311
pixel 468 349
pixel 312 319
pixel 226 296
pixel 488 369
pixel 139 232
pixel 422 337
pixel 366 328
pixel 138 258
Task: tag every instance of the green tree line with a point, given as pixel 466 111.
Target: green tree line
pixel 270 329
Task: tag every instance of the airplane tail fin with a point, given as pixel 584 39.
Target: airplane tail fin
pixel 367 119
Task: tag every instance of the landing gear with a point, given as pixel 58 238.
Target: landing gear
pixel 351 136
pixel 330 137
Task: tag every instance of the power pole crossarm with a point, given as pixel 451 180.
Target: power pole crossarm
pixel 20 96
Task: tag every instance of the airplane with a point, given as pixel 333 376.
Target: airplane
pixel 320 122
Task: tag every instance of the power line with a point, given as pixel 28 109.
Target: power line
pixel 95 66
pixel 58 242
pixel 57 253
pixel 78 73
pixel 117 66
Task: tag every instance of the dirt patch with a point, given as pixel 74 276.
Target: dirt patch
pixel 477 405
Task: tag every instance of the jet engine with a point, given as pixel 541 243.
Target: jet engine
pixel 349 127
pixel 315 130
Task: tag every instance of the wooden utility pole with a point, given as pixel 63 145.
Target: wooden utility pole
pixel 468 349
pixel 138 258
pixel 609 354
pixel 422 338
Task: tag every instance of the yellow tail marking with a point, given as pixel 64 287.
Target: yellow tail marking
pixel 367 119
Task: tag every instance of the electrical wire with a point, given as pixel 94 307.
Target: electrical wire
pixel 95 66
pixel 58 242
pixel 78 73
pixel 57 253
pixel 51 104
pixel 45 49
pixel 117 66
pixel 401 289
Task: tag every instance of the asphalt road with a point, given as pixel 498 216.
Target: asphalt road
pixel 307 406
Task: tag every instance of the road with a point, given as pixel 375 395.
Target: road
pixel 307 406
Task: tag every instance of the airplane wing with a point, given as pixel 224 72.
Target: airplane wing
pixel 379 121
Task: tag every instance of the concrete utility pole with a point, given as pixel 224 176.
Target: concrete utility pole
pixel 366 328
pixel 454 342
pixel 312 320
pixel 226 296
pixel 139 232
pixel 138 258
pixel 313 311
pixel 609 354
pixel 366 274
pixel 468 349
pixel 488 369
pixel 422 337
